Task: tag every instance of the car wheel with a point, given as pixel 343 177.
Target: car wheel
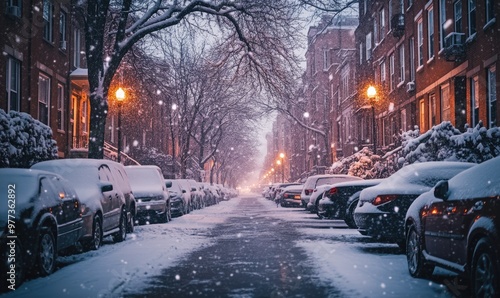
pixel 96 240
pixel 349 217
pixel 47 253
pixel 122 228
pixel 163 218
pixel 416 263
pixel 169 212
pixel 485 276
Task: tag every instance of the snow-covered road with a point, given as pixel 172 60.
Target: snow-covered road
pixel 353 264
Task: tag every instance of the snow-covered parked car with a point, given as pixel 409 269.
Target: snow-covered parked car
pixel 316 180
pixel 150 192
pixel 341 199
pixel 290 196
pixel 381 209
pixel 104 189
pixel 456 225
pixel 39 216
pixel 179 198
pixel 316 196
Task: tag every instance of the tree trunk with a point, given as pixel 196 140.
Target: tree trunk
pixel 99 111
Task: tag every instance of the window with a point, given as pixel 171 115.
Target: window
pixel 422 115
pixel 410 3
pixel 382 72
pixel 402 63
pixel 345 83
pixel 391 72
pixel 368 46
pixel 382 23
pixel 62 31
pixel 432 110
pixel 445 103
pixel 14 7
pixel 442 22
pixel 375 30
pixel 60 107
pixel 457 11
pixel 403 120
pixel 420 39
pixel 76 48
pixel 13 84
pixel 474 100
pixel 472 17
pixel 43 98
pixel 360 53
pixel 47 20
pixel 325 59
pixel 430 32
pixel 490 11
pixel 411 46
pixel 389 10
pixel 402 6
pixel 492 96
pixel 84 116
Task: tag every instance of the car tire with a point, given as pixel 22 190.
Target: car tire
pixel 349 216
pixel 122 228
pixel 169 212
pixel 414 257
pixel 96 240
pixel 47 253
pixel 485 275
pixel 163 218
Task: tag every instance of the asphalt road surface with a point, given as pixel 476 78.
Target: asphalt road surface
pixel 253 256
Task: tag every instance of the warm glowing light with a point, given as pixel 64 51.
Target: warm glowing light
pixel 282 155
pixel 371 92
pixel 120 94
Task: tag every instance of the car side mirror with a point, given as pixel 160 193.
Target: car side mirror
pixel 193 189
pixel 183 191
pixel 168 183
pixel 441 190
pixel 106 186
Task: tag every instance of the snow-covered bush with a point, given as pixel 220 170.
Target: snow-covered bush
pixel 445 142
pixel 442 142
pixel 26 141
pixel 152 156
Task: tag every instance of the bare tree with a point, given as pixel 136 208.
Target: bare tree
pixel 255 29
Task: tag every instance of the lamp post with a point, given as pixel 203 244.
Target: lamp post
pixel 372 93
pixel 274 175
pixel 282 156
pixel 120 96
pixel 306 116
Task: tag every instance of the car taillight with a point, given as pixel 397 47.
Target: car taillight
pixel 382 199
pixel 308 191
pixel 332 191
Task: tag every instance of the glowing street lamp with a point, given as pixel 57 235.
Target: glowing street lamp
pixel 372 93
pixel 120 97
pixel 282 156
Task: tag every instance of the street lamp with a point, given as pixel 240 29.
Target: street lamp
pixel 282 156
pixel 120 96
pixel 372 93
pixel 306 116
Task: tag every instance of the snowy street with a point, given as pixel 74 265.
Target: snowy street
pixel 245 247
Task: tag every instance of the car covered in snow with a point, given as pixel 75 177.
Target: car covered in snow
pixel 103 187
pixel 151 193
pixel 179 198
pixel 39 216
pixel 456 225
pixel 316 180
pixel 381 209
pixel 290 196
pixel 316 196
pixel 341 199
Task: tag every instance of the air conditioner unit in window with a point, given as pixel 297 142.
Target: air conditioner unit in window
pixel 62 45
pixel 13 11
pixel 454 46
pixel 410 86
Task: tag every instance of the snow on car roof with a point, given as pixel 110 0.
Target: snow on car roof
pixel 480 181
